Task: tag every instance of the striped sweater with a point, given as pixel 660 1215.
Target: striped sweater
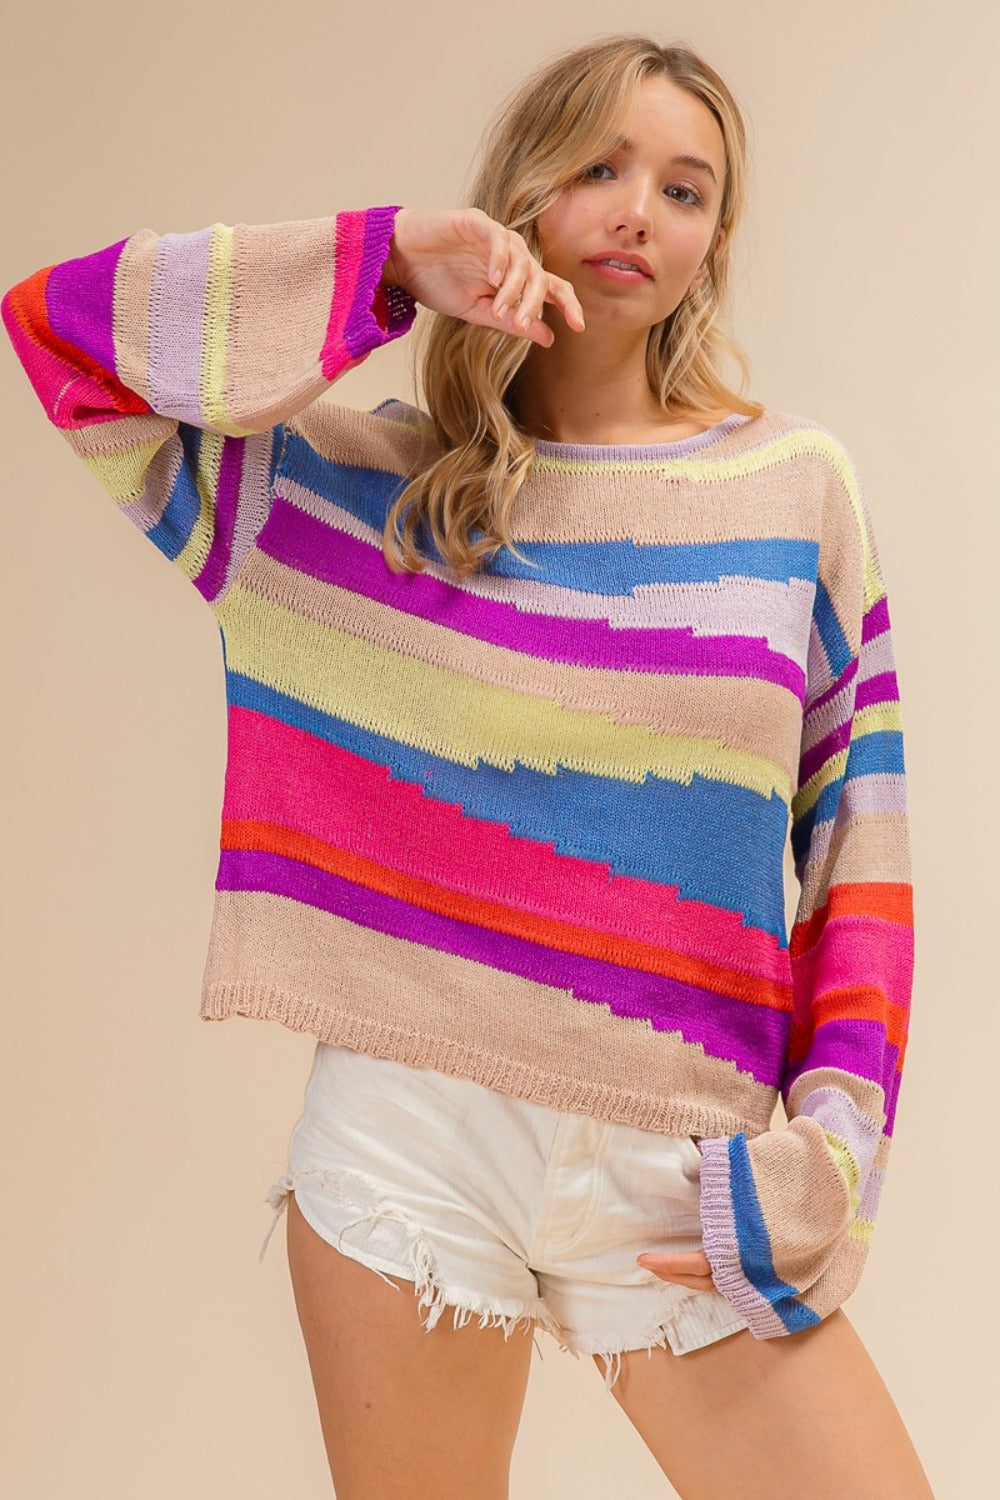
pixel 526 827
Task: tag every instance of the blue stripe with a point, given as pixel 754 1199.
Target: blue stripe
pixel 173 530
pixel 709 838
pixel 756 1259
pixel 608 568
pixel 831 633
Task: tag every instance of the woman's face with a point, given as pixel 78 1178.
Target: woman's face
pixel 639 199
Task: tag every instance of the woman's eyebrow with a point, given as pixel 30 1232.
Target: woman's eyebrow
pixel 695 162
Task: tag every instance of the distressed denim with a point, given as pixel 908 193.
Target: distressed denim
pixel 501 1208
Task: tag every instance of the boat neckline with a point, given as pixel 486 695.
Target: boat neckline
pixel 613 453
pixel 616 452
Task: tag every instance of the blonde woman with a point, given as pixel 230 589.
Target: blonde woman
pixel 528 686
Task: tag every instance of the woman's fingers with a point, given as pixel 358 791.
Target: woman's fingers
pixel 523 293
pixel 688 1269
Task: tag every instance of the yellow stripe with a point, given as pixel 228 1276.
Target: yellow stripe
pixel 215 327
pixel 465 721
pixel 191 558
pixel 123 473
pixel 875 717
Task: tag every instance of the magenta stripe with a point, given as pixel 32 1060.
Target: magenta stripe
pixel 876 621
pixel 817 755
pixel 211 579
pixel 753 1037
pixel 310 546
pixel 882 688
pixel 860 1048
pixel 80 302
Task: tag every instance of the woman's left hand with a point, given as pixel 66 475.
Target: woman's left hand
pixel 690 1269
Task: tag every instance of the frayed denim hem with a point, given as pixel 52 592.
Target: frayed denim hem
pixel 354 1188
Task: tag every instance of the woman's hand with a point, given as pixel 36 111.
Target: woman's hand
pixel 690 1269
pixel 463 263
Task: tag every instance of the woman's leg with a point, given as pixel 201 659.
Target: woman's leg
pixel 773 1419
pixel 404 1412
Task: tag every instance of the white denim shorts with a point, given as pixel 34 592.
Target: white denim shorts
pixel 501 1208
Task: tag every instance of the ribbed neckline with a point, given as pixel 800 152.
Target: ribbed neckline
pixel 638 452
pixel 612 454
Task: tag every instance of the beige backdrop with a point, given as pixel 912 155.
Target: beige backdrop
pixel 145 1350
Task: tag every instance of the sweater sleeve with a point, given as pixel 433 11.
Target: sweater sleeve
pixel 171 362
pixel 788 1214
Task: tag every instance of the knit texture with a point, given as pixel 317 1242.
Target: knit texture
pixel 527 827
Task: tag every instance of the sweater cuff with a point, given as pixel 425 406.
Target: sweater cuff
pixel 775 1210
pixel 374 315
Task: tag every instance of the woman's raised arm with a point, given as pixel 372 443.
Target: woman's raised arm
pixel 171 361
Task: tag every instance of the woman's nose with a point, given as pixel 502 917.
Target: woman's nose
pixel 633 208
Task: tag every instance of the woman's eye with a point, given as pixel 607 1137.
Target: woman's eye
pixel 693 193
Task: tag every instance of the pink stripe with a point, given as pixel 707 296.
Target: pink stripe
pixel 858 951
pixel 329 793
pixel 346 251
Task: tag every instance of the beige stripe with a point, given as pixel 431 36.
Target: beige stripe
pixel 276 959
pixel 281 299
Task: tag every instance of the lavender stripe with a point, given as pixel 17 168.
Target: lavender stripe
pixel 836 1111
pixel 650 452
pixel 301 542
pixel 176 324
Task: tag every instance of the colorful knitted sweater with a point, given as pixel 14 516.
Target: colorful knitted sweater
pixel 527 827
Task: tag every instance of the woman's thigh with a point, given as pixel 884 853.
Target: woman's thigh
pixel 773 1419
pixel 429 1415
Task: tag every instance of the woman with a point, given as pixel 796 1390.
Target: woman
pixel 523 690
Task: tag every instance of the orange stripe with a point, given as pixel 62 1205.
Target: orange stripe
pixel 853 1003
pixel 607 947
pixel 886 900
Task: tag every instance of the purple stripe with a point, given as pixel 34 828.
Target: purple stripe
pixel 310 546
pixel 817 755
pixel 361 327
pixel 882 688
pixel 210 581
pixel 893 1095
pixel 753 1037
pixel 80 300
pixel 860 1048
pixel 876 621
pixel 847 675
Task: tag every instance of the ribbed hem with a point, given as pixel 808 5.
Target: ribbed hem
pixel 416 1049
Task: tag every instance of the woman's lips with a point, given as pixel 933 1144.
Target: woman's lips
pixel 615 272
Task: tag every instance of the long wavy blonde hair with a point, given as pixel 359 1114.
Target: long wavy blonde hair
pixel 558 122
